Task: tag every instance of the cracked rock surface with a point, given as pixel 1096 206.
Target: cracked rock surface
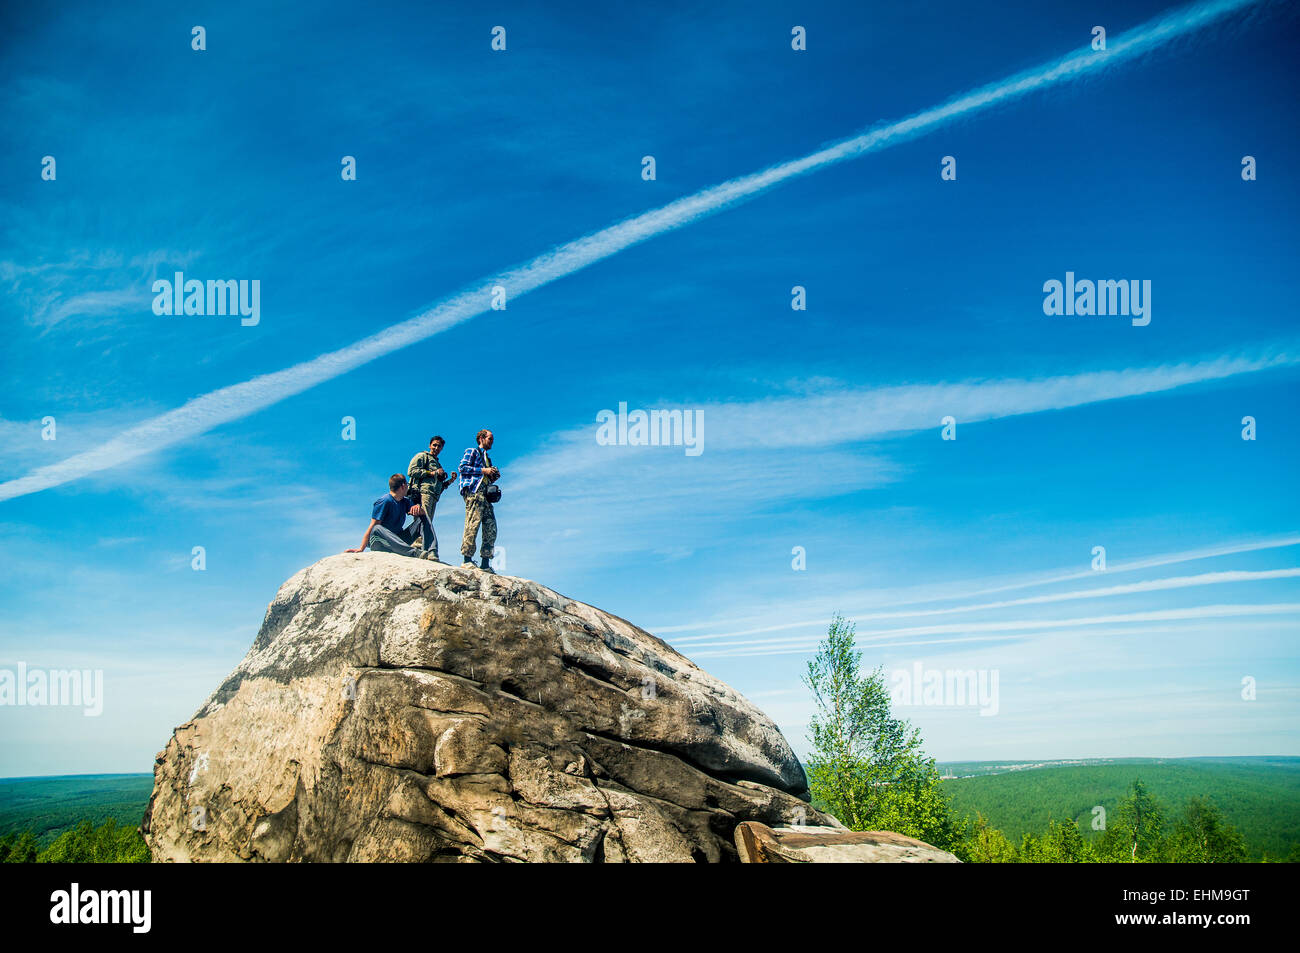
pixel 393 709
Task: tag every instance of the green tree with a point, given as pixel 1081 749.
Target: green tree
pixel 988 845
pixel 1029 848
pixel 23 850
pixel 1136 832
pixel 106 844
pixel 1061 844
pixel 1202 836
pixel 867 767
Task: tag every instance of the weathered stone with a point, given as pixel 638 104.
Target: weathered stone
pixel 393 709
pixel 757 843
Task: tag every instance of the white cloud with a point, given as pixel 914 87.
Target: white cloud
pixel 95 303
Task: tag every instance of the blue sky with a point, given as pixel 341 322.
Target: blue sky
pixel 821 427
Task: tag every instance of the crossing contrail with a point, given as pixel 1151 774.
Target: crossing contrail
pixel 1148 585
pixel 792 646
pixel 221 406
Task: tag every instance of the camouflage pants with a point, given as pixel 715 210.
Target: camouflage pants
pixel 428 499
pixel 478 512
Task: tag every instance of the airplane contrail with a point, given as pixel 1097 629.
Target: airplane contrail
pixel 790 646
pixel 221 406
pixel 1149 585
pixel 1149 562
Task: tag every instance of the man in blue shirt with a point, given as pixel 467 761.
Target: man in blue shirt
pixel 386 534
pixel 476 475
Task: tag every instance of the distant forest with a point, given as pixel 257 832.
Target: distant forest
pixel 1259 797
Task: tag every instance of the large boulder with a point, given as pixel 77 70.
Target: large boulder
pixel 394 709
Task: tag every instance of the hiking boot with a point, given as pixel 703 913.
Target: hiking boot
pixel 467 564
pixel 487 567
pixel 432 556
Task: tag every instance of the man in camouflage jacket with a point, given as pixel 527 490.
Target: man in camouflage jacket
pixel 428 479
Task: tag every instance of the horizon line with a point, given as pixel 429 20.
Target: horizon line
pixel 1181 757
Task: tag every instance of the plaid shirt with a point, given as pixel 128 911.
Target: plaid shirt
pixel 471 470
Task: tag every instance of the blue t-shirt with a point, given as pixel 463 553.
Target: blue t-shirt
pixel 391 513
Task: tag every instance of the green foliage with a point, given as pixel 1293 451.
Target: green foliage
pixel 22 849
pixel 1201 836
pixel 84 844
pixel 106 844
pixel 80 819
pixel 988 845
pixel 1135 832
pixel 867 767
pixel 1260 797
pixel 49 806
pixel 1061 844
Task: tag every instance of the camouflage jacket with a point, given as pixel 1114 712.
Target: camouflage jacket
pixel 420 473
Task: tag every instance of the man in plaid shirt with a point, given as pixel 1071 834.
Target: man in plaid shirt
pixel 476 475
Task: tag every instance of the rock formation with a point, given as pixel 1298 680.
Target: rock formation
pixel 759 844
pixel 393 709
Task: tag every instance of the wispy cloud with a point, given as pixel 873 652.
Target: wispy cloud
pixel 642 490
pixel 239 400
pixel 858 414
pixel 943 592
pixel 789 646
pixel 82 284
pixel 1150 585
pixel 94 303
